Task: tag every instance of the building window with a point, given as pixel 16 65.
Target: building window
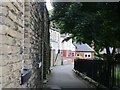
pixel 87 55
pixel 72 54
pixel 77 54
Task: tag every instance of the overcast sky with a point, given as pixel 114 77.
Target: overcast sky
pixel 49 6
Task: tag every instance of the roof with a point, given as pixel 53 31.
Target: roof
pixel 83 47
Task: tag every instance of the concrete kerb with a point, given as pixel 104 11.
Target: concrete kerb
pixel 96 84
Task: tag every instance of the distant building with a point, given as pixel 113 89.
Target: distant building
pixel 67 47
pixel 117 51
pixel 84 51
pixel 55 45
pixel 55 39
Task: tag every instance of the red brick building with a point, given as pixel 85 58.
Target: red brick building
pixel 84 51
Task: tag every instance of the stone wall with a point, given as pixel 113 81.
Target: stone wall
pixel 24 43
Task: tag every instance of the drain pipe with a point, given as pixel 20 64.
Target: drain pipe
pixel 57 55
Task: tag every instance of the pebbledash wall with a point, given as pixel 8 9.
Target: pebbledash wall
pixel 24 44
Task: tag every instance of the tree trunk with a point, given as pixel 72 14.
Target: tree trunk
pixel 110 70
pixel 108 53
pixel 113 52
pixel 113 65
pixel 110 56
pixel 107 50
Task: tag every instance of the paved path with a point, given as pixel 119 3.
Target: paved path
pixel 64 77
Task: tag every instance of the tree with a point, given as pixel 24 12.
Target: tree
pixel 90 22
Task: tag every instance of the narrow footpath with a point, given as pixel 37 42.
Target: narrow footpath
pixel 62 77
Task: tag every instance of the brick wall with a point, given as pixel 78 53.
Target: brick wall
pixel 24 43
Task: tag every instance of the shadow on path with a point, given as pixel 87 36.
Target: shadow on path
pixel 64 77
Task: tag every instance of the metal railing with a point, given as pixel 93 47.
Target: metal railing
pixel 106 73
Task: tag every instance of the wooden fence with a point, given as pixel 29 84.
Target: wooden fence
pixel 106 73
